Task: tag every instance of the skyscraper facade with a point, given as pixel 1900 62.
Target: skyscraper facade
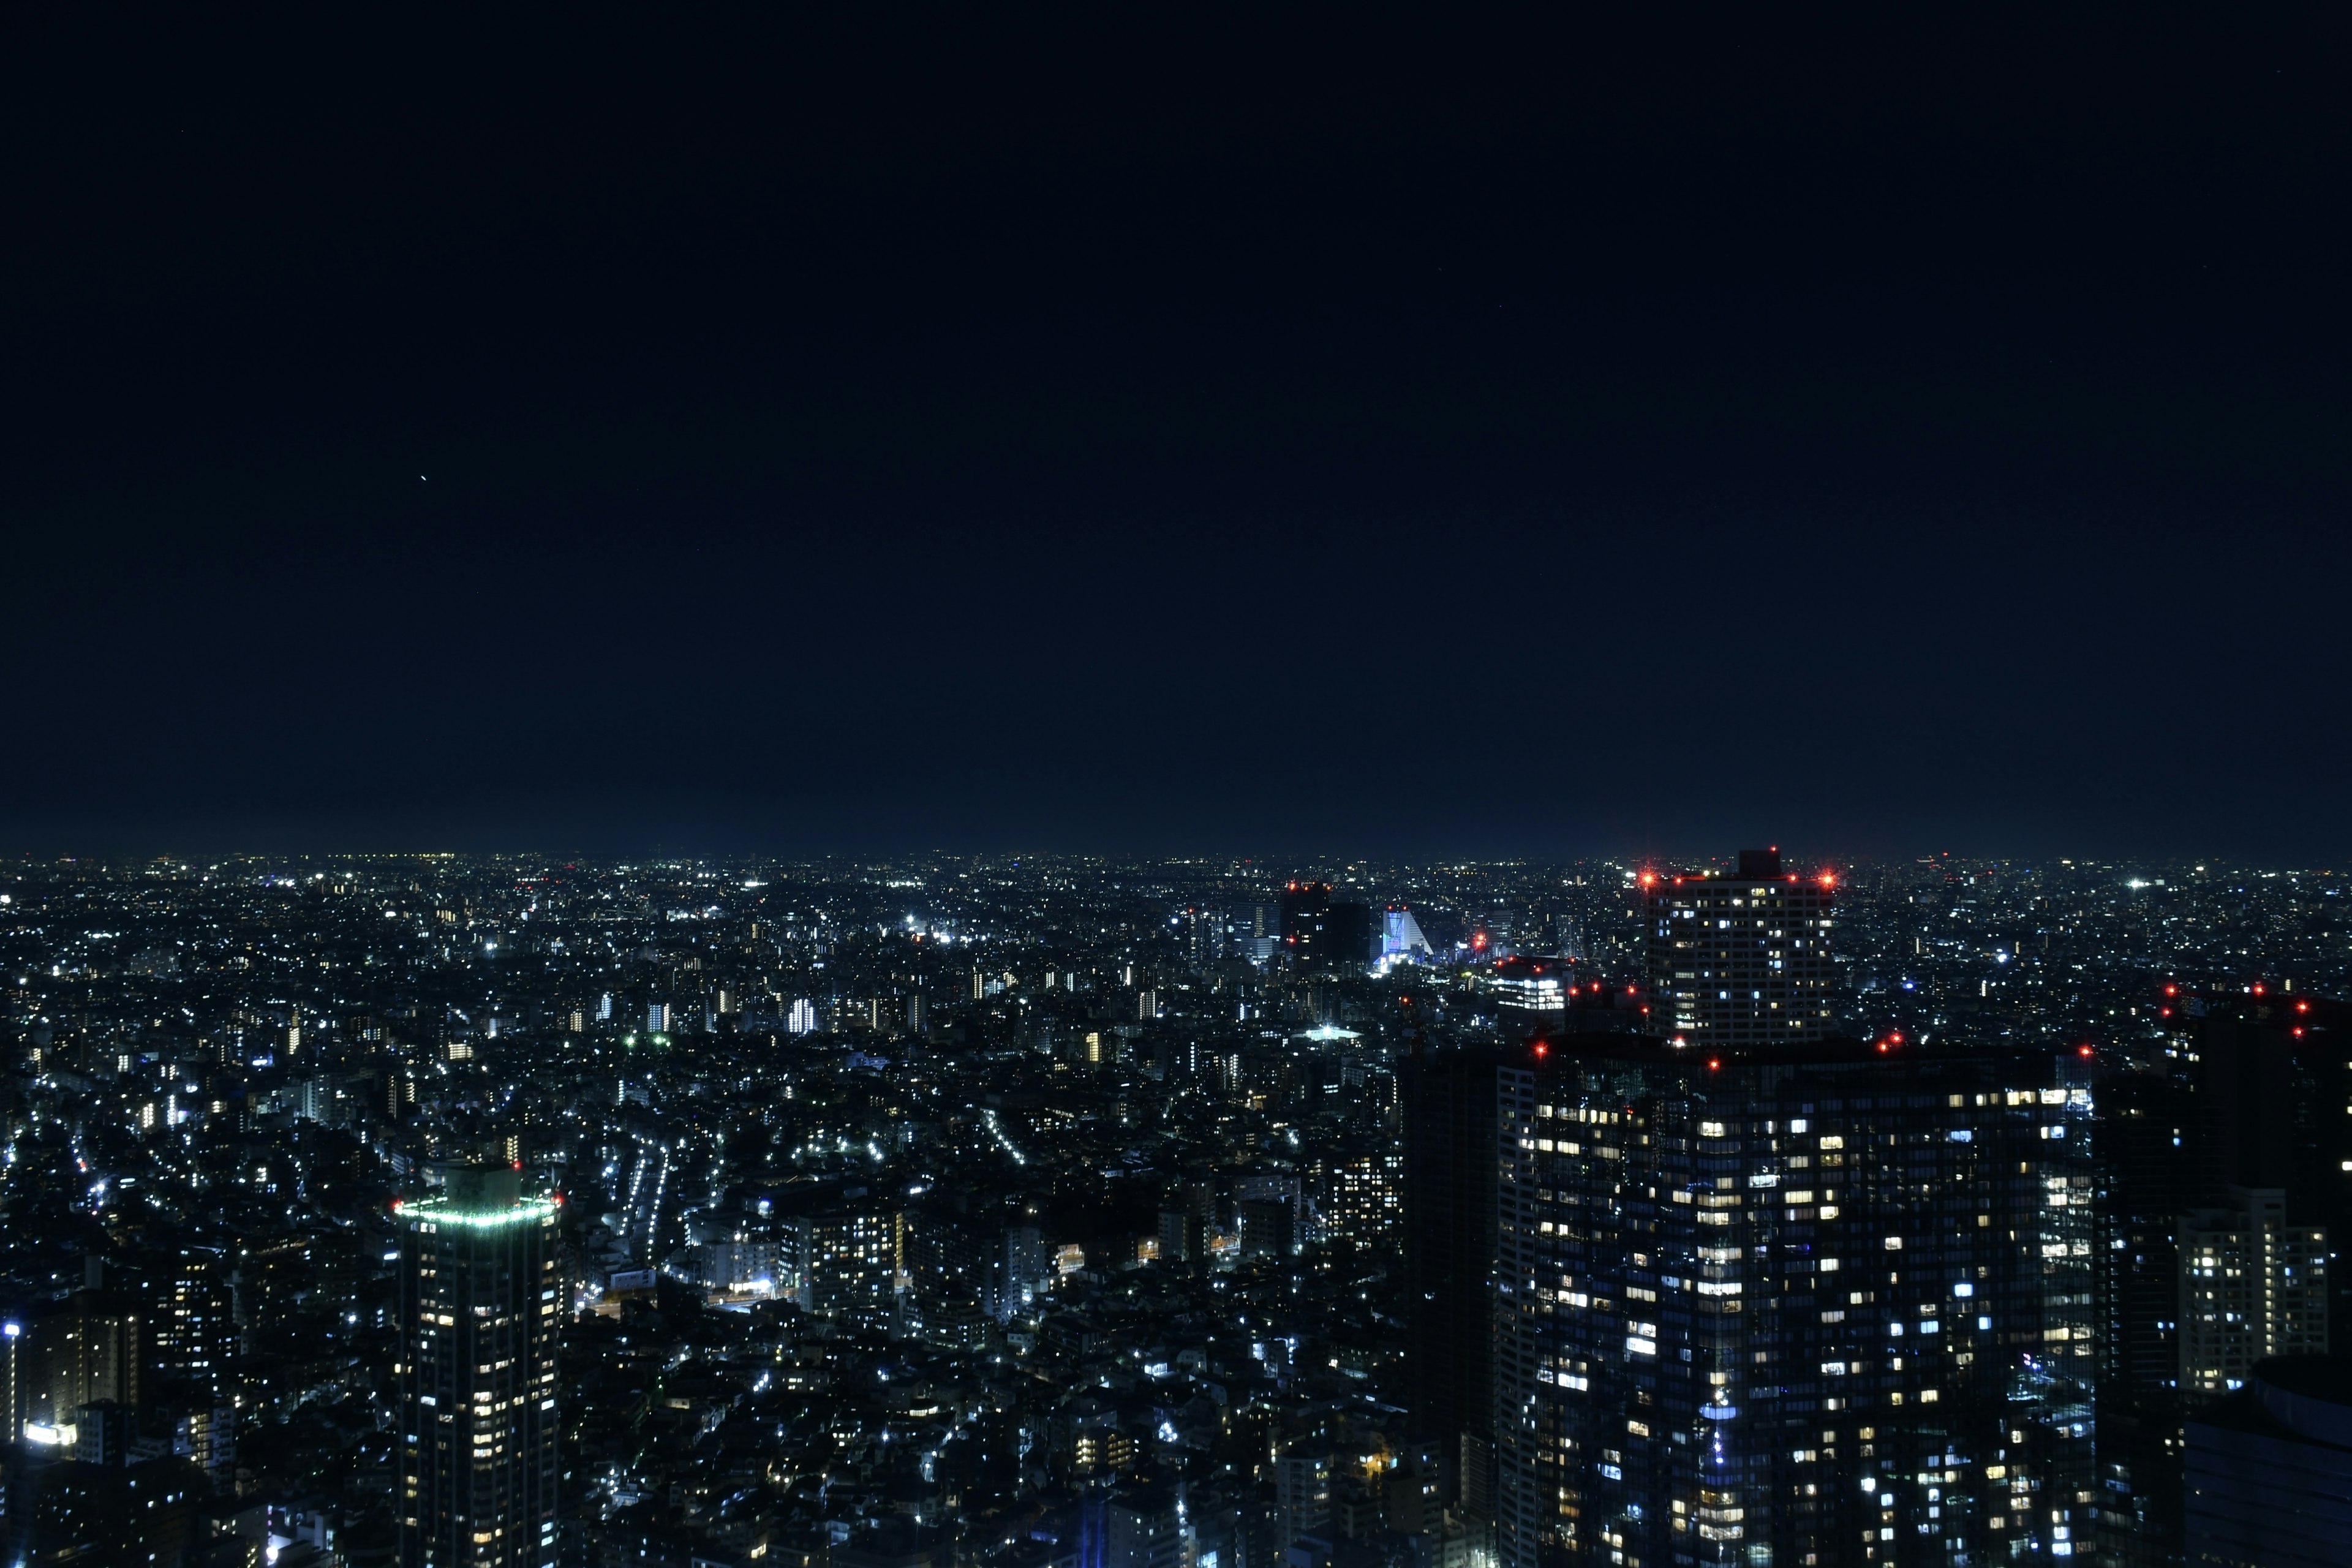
pixel 479 1316
pixel 1742 959
pixel 1804 1307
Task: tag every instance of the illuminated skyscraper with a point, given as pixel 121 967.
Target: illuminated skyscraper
pixel 1742 959
pixel 479 1321
pixel 1817 1306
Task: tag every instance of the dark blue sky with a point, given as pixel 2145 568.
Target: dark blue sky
pixel 1255 430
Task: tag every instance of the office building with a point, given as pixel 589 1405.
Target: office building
pixel 1742 959
pixel 1828 1305
pixel 480 1314
pixel 1528 989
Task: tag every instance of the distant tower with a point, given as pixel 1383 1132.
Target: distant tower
pixel 1401 936
pixel 1321 934
pixel 479 1321
pixel 1742 959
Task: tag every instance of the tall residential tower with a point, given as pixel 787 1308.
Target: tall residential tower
pixel 1742 959
pixel 1819 1307
pixel 480 1317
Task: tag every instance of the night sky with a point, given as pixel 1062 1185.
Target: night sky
pixel 1161 428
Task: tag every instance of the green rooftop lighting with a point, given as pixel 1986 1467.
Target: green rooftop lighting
pixel 449 1211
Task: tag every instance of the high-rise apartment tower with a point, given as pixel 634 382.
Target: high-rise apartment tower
pixel 1819 1305
pixel 479 1322
pixel 1741 960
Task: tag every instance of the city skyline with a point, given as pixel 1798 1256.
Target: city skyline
pixel 1078 787
pixel 1050 1211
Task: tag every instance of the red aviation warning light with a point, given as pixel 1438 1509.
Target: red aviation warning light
pixel 2082 1051
pixel 1542 1051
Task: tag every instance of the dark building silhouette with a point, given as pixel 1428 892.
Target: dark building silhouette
pixel 2270 1470
pixel 86 1350
pixel 2238 1139
pixel 1450 1247
pixel 2276 1069
pixel 1450 1164
pixel 1321 934
pixel 2148 1145
pixel 109 1515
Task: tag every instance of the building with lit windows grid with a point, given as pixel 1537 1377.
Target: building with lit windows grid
pixel 2251 1287
pixel 1801 1309
pixel 1366 1195
pixel 850 1263
pixel 480 1318
pixel 1742 959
